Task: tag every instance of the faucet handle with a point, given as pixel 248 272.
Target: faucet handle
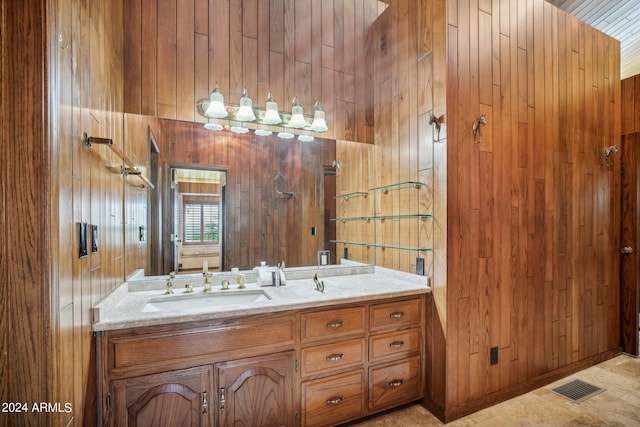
pixel 241 281
pixel 169 289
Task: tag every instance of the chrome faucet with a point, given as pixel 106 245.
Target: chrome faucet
pixel 319 284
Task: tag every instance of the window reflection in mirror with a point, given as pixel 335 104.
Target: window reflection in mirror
pixel 197 220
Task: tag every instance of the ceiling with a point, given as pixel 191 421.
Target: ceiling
pixel 619 19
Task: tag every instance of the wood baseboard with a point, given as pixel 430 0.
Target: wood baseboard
pixel 447 415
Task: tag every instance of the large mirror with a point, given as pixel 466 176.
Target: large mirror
pixel 236 200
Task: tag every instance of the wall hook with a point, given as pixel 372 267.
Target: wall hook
pixel 607 153
pixel 480 121
pixel 433 120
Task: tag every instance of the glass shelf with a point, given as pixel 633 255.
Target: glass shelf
pixel 382 217
pixel 347 196
pixel 403 216
pixel 375 245
pixel 385 188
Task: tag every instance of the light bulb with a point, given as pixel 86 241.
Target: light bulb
pixel 271 115
pixel 297 117
pixel 319 123
pixel 245 112
pixel 216 108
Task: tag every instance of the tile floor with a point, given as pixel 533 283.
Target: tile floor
pixel 619 405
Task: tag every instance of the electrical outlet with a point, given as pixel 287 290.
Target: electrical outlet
pixel 493 356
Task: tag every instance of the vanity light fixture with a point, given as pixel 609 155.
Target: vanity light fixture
pixel 297 120
pixel 285 135
pixel 271 115
pixel 319 123
pixel 216 107
pixel 245 112
pixel 213 126
pixel 305 138
pixel 239 129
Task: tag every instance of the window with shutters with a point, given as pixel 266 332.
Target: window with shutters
pixel 201 222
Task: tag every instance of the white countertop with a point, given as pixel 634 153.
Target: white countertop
pixel 124 307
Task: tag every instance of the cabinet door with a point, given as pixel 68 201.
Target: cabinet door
pixel 176 398
pixel 257 391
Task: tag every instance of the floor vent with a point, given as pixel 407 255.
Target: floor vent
pixel 577 391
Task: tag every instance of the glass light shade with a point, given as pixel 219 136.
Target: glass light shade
pixel 271 115
pixel 305 138
pixel 213 126
pixel 319 123
pixel 297 116
pixel 216 108
pixel 239 129
pixel 263 132
pixel 285 135
pixel 245 112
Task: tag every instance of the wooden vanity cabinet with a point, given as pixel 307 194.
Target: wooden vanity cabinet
pixel 313 367
pixel 176 398
pixel 213 373
pixel 360 360
pixel 257 391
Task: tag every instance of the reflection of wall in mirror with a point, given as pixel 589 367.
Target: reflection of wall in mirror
pixel 259 225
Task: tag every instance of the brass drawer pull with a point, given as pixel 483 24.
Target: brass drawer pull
pixel 335 325
pixel 397 315
pixel 335 400
pixel 396 383
pixel 396 344
pixel 334 357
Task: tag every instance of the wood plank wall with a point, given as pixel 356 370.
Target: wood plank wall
pixel 629 233
pixel 408 76
pixel 631 105
pixel 259 224
pixel 534 211
pixel 86 95
pixel 402 77
pixel 24 229
pixel 177 51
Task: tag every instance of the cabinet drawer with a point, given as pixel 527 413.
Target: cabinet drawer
pixel 168 347
pixel 332 323
pixel 323 358
pixel 400 313
pixel 400 343
pixel 394 384
pixel 333 400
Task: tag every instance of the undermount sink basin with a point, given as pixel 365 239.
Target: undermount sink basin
pixel 198 301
